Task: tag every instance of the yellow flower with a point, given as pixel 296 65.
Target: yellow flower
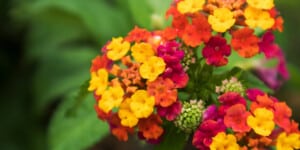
pixel 117 48
pixel 152 68
pixel 142 51
pixel 221 20
pixel 225 142
pixel 262 122
pixel 258 18
pixel 128 119
pixel 288 142
pixel 190 6
pixel 111 98
pixel 142 104
pixel 261 4
pixel 99 81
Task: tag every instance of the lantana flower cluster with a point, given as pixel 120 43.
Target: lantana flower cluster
pixel 147 81
pixel 249 119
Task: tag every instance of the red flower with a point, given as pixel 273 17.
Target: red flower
pixel 215 51
pixel 278 19
pixel 179 23
pixel 197 32
pixel 101 114
pixel 137 35
pixel 117 129
pixel 236 118
pixel 245 42
pixel 100 62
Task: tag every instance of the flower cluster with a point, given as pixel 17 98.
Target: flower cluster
pixel 135 81
pixel 151 81
pixel 256 121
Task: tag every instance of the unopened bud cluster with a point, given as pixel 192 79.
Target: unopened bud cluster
pixel 190 116
pixel 232 85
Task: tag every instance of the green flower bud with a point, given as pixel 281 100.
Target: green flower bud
pixel 232 85
pixel 190 116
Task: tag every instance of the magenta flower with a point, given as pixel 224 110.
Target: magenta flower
pixel 253 93
pixel 206 131
pixel 215 51
pixel 170 52
pixel 172 56
pixel 171 112
pixel 273 77
pixel 211 113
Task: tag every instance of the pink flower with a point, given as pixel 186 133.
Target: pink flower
pixel 171 112
pixel 215 51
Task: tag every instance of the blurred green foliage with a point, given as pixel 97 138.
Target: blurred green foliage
pixel 46 50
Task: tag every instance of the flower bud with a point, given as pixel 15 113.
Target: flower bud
pixel 190 116
pixel 232 85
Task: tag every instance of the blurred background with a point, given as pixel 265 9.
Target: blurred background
pixel 46 47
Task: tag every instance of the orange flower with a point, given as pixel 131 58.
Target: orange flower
pixel 179 21
pixel 131 77
pixel 163 90
pixel 236 118
pixel 197 32
pixel 282 115
pixel 262 101
pixel 234 5
pixel 168 33
pixel 278 19
pixel 150 127
pixel 117 129
pixel 245 42
pixel 138 35
pixel 259 143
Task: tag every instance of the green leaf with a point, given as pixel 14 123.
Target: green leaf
pixel 79 99
pixel 173 139
pixel 251 81
pixel 58 74
pixel 294 80
pixel 78 131
pixel 101 19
